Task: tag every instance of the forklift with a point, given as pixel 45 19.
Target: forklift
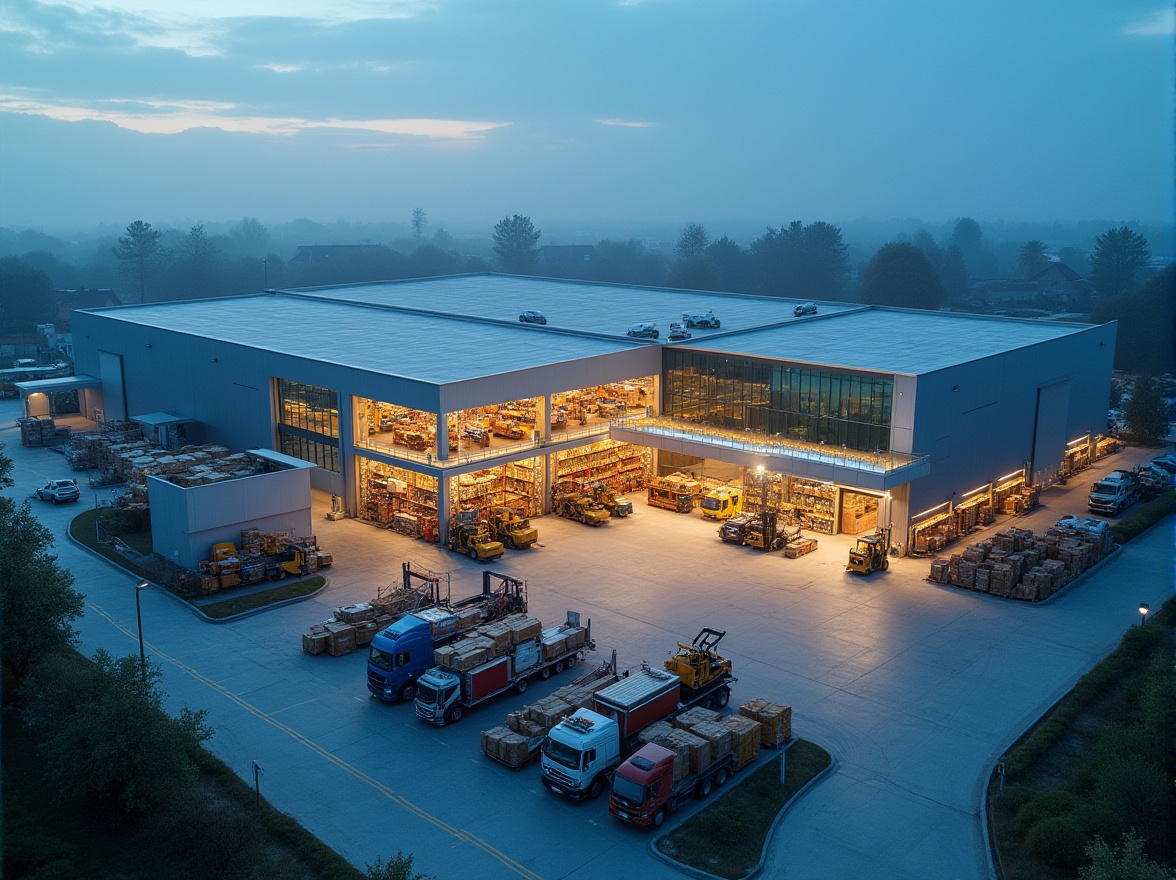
pixel 470 535
pixel 872 553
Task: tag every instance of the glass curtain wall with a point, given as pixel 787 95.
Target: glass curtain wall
pixel 308 423
pixel 775 399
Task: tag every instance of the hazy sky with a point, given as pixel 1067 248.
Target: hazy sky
pixel 584 110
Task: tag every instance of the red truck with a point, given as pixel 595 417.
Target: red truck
pixel 646 788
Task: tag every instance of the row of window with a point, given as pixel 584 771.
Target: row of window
pixel 308 407
pixel 827 406
pixel 324 454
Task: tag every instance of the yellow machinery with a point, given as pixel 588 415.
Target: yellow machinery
pixel 471 536
pixel 511 528
pixel 722 503
pixel 871 554
pixel 675 492
pixel 698 664
pixel 573 504
pixel 607 497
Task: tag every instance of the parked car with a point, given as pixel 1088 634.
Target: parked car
pixel 705 319
pixel 643 331
pixel 530 317
pixel 1164 462
pixel 677 332
pixel 59 491
pixel 807 308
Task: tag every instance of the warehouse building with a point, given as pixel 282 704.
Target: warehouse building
pixel 416 400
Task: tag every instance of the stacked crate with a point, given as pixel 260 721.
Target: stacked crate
pixel 745 738
pixel 691 753
pixel 775 721
pixel 536 719
pixel 706 725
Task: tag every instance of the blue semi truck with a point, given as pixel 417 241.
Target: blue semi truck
pixel 403 651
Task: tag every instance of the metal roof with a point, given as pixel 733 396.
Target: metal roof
pixel 893 340
pixel 443 330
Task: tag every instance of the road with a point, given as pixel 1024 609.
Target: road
pixel 915 689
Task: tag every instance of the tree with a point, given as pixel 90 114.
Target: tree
pixel 1146 412
pixel 443 240
pixel 900 275
pixel 140 256
pixel 800 261
pixel 628 262
pixel 26 297
pixel 251 237
pixel 969 238
pixel 692 242
pixel 1124 862
pixel 1146 324
pixel 1031 258
pixel 694 273
pixel 419 221
pixel 37 600
pixel 6 481
pixel 103 733
pixel 198 260
pixel 1120 256
pixel 1076 259
pixel 516 244
pixel 398 867
pixel 730 262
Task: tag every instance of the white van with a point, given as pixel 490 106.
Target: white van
pixel 643 331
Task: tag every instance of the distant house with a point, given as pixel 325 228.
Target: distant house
pixel 567 257
pixel 324 253
pixel 1062 287
pixel 83 298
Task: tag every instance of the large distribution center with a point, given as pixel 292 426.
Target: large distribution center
pixel 417 400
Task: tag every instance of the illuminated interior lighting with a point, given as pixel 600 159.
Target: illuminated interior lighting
pixel 930 510
pixel 1081 439
pixel 1018 472
pixel 974 491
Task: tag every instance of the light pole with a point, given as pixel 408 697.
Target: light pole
pixel 265 271
pixel 1143 610
pixel 142 585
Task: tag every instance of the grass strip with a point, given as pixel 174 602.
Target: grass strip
pixel 83 529
pixel 250 601
pixel 727 837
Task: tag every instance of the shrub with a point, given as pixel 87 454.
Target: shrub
pixel 1135 524
pixel 1058 840
pixel 127 522
pixel 1048 804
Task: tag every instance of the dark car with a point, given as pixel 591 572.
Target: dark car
pixel 530 317
pixel 807 308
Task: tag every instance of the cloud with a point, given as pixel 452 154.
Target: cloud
pixel 1161 23
pixel 624 123
pixel 156 116
pixel 280 68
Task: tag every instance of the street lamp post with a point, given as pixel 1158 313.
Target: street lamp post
pixel 265 270
pixel 1144 608
pixel 142 585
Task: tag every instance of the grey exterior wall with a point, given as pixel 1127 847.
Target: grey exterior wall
pixel 186 522
pixel 986 428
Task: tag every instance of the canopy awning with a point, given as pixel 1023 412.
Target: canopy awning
pixel 161 420
pixel 53 386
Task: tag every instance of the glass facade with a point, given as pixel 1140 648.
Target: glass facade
pixel 778 399
pixel 308 423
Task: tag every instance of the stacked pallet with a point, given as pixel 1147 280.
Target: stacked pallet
pixel 692 753
pixel 799 547
pixel 706 725
pixel 41 432
pixel 775 721
pixel 745 738
pixel 507 746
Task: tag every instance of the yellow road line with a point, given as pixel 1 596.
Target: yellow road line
pixel 459 834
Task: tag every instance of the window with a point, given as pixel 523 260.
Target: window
pixel 308 423
pixel 402 659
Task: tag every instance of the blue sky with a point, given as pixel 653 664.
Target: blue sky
pixel 584 111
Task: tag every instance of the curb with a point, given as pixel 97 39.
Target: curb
pixel 759 865
pixel 188 605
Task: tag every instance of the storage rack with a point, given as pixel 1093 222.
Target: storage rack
pixel 933 533
pixel 517 484
pixel 620 466
pixel 816 504
pixel 386 491
pixel 859 512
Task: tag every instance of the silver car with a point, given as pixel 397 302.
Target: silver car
pixel 59 491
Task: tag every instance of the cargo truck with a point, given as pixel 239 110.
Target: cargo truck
pixel 444 693
pixel 400 654
pixel 646 788
pixel 581 752
pixel 1114 493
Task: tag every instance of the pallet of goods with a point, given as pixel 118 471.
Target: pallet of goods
pixel 799 547
pixel 775 721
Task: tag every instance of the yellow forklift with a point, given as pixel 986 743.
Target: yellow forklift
pixel 510 527
pixel 872 552
pixel 470 535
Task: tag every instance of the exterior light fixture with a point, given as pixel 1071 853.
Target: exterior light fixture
pixel 140 587
pixel 1144 608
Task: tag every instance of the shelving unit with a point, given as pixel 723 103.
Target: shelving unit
pixel 859 512
pixel 933 533
pixel 518 484
pixel 395 497
pixel 815 503
pixel 620 466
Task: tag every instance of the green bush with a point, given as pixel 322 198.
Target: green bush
pixel 128 521
pixel 1048 804
pixel 1058 841
pixel 1135 524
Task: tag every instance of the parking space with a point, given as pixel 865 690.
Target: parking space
pixel 915 688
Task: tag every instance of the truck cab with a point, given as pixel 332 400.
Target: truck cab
pixel 579 754
pixel 722 503
pixel 643 786
pixel 398 656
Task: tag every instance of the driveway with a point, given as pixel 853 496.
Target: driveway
pixel 916 689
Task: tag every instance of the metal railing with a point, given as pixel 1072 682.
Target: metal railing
pixel 874 462
pixel 466 454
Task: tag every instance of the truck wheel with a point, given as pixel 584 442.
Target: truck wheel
pixel 659 818
pixel 281 574
pixel 408 692
pixel 570 661
pixel 885 564
pixel 721 777
pixel 545 673
pixel 473 554
pixel 596 788
pixel 454 714
pixel 704 789
pixel 723 697
pixel 521 687
pixel 557 667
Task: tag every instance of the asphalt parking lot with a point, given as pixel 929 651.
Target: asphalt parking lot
pixel 915 688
